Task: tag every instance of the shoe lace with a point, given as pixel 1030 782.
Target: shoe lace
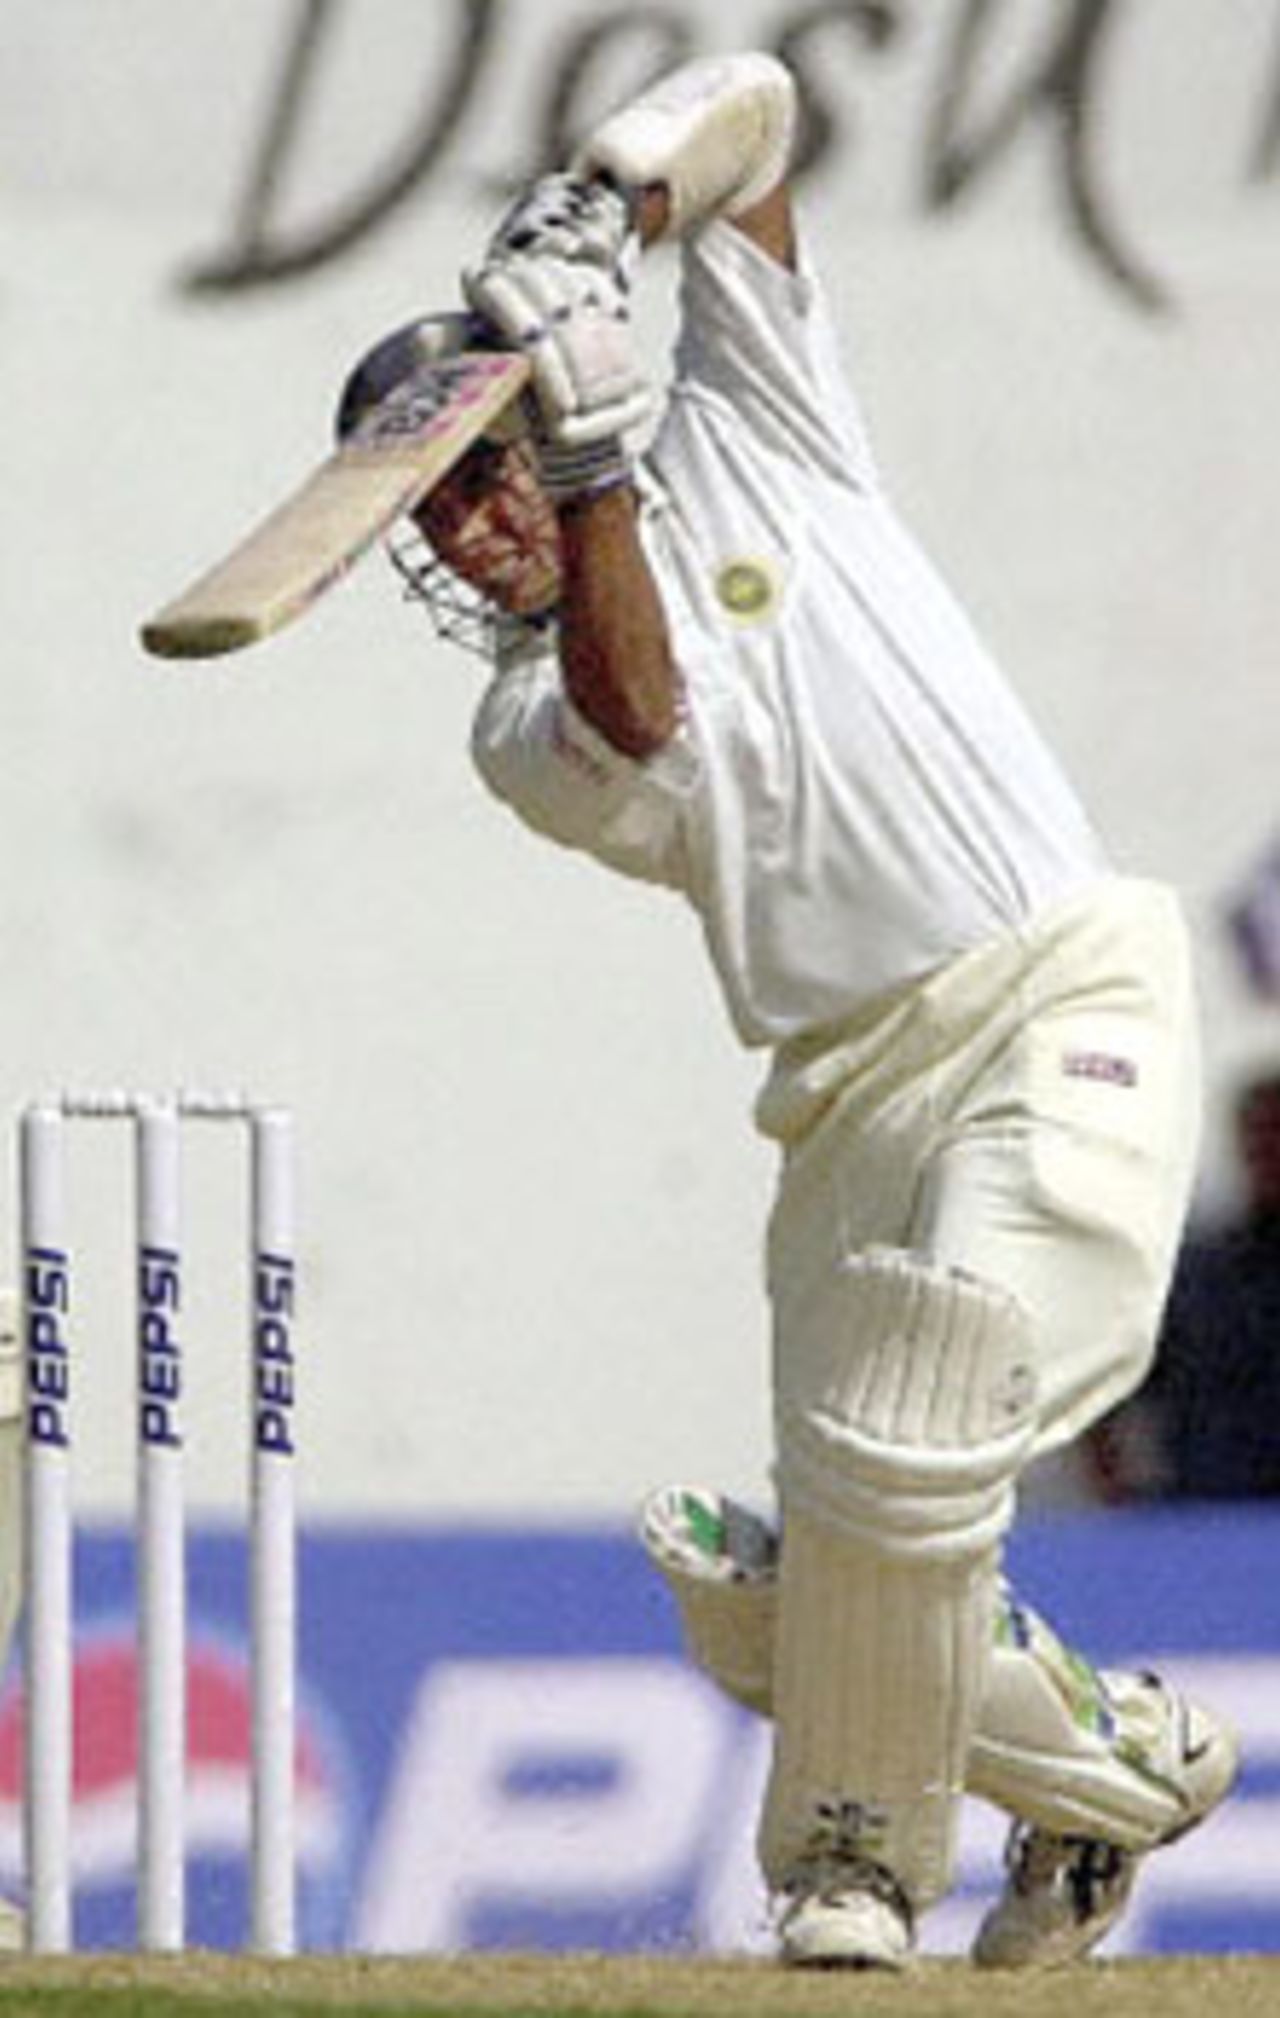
pixel 833 1862
pixel 1084 1867
pixel 828 1880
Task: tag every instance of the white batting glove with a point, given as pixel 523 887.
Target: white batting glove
pixel 574 324
pixel 572 320
pixel 716 133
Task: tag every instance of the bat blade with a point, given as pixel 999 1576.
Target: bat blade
pixel 398 453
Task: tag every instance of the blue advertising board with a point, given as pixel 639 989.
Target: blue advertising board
pixel 500 1744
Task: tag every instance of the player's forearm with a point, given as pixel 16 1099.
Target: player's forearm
pixel 615 651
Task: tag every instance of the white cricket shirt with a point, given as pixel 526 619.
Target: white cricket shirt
pixel 854 795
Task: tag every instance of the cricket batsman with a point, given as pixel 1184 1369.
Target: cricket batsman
pixel 725 666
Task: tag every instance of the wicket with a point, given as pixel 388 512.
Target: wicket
pixel 48 1318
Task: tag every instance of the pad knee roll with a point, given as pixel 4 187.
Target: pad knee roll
pixel 716 133
pixel 906 1406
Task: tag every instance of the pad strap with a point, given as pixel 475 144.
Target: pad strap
pixel 906 1406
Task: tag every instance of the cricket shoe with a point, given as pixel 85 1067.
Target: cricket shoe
pixel 13 1928
pixel 846 1914
pixel 1064 1893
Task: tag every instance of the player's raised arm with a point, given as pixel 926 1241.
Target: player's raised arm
pixel 555 281
pixel 714 139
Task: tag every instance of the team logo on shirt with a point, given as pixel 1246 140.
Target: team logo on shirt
pixel 748 589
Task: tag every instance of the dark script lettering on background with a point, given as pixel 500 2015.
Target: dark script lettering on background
pixel 839 49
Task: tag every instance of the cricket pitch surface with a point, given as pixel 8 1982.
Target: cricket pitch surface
pixel 198 1985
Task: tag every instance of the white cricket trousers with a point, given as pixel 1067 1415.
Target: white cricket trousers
pixel 1029 1113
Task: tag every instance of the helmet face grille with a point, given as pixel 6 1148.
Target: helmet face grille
pixel 459 614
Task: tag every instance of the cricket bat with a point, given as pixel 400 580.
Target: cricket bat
pixel 401 449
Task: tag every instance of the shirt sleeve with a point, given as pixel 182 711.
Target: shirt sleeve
pixel 758 339
pixel 539 754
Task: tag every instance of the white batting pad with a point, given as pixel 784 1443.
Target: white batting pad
pixel 1082 1751
pixel 905 1400
pixel 879 1666
pixel 720 1563
pixel 1057 1742
pixel 716 133
pixel 906 1407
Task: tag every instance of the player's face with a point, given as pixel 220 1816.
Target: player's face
pixel 494 525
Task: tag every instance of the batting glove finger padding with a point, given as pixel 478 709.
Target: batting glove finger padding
pixel 565 217
pixel 573 324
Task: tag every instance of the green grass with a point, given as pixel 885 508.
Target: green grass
pixel 585 1986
